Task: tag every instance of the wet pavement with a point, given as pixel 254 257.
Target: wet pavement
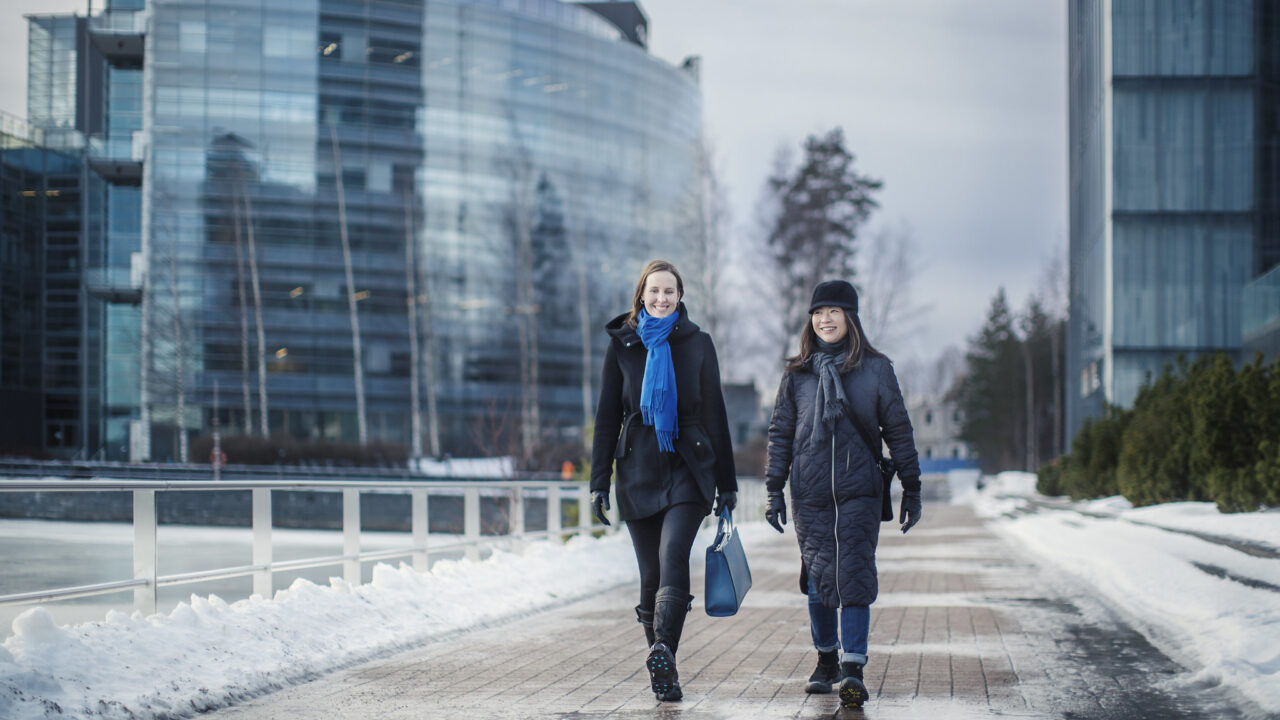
pixel 965 627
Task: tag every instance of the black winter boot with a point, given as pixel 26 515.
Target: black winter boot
pixel 670 607
pixel 645 618
pixel 852 690
pixel 826 674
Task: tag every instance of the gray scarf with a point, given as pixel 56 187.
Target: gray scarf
pixel 830 401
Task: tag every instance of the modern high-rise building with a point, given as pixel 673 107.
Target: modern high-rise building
pixel 1174 185
pixel 49 363
pixel 457 193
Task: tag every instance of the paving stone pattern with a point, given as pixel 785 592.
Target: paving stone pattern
pixel 964 628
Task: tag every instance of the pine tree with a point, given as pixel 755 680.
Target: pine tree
pixel 991 394
pixel 820 210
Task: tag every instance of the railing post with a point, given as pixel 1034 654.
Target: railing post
pixel 351 535
pixel 584 511
pixel 612 512
pixel 471 521
pixel 262 542
pixel 420 530
pixel 144 550
pixel 515 524
pixel 553 512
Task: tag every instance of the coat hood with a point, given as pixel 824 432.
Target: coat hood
pixel 684 329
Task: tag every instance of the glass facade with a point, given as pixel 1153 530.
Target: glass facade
pixel 53 50
pixel 513 162
pixel 49 325
pixel 1172 153
pixel 22 212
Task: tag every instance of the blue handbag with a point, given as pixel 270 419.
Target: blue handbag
pixel 728 577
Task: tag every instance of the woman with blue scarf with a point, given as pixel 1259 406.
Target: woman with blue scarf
pixel 661 421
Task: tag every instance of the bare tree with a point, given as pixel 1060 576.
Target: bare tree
pixel 244 318
pixel 761 335
pixel 887 270
pixel 429 360
pixel 179 349
pixel 166 344
pixel 411 308
pixel 257 315
pixel 704 228
pixel 1053 297
pixel 233 175
pixel 357 352
pixel 517 166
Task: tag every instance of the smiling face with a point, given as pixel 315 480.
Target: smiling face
pixel 661 294
pixel 830 323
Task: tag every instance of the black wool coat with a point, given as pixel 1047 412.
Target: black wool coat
pixel 836 489
pixel 704 450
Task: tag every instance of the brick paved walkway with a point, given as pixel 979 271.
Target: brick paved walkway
pixel 964 628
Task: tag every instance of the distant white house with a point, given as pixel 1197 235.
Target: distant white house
pixel 937 433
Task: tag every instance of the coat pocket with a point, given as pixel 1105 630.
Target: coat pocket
pixel 623 448
pixel 695 447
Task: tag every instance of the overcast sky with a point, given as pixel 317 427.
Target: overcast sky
pixel 958 105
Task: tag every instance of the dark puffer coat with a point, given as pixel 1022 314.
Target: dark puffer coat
pixel 645 480
pixel 836 489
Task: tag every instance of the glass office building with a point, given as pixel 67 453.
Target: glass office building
pixel 1174 179
pixel 50 358
pixel 485 178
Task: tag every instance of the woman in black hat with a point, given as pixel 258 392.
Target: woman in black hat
pixel 838 402
pixel 661 420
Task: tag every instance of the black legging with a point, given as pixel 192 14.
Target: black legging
pixel 662 543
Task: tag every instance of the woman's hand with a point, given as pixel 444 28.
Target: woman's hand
pixel 599 504
pixel 776 514
pixel 726 499
pixel 910 513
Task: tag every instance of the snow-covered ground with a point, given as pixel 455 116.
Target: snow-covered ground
pixel 1203 586
pixel 208 653
pixel 1214 607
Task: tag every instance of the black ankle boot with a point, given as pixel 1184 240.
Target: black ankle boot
pixel 853 692
pixel 670 607
pixel 645 618
pixel 826 674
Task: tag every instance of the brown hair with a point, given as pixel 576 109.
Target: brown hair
pixel 637 302
pixel 859 347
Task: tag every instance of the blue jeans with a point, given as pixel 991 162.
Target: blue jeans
pixel 854 629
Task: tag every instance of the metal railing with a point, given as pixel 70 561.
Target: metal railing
pixel 118 147
pixel 129 22
pixel 1261 300
pixel 146 580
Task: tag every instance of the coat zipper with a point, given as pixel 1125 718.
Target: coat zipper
pixel 835 502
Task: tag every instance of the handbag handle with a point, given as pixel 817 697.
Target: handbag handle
pixel 722 536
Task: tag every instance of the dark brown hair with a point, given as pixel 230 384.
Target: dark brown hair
pixel 637 302
pixel 859 346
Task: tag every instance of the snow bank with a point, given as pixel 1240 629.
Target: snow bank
pixel 208 653
pixel 1214 608
pixel 1003 494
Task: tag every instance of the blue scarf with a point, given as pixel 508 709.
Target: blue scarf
pixel 658 392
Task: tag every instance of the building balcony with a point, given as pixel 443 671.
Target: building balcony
pixel 117 285
pixel 120 37
pixel 118 158
pixel 1260 325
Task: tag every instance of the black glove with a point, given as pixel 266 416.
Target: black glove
pixel 600 503
pixel 910 514
pixel 726 499
pixel 777 512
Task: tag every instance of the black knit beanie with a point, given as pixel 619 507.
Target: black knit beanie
pixel 835 293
